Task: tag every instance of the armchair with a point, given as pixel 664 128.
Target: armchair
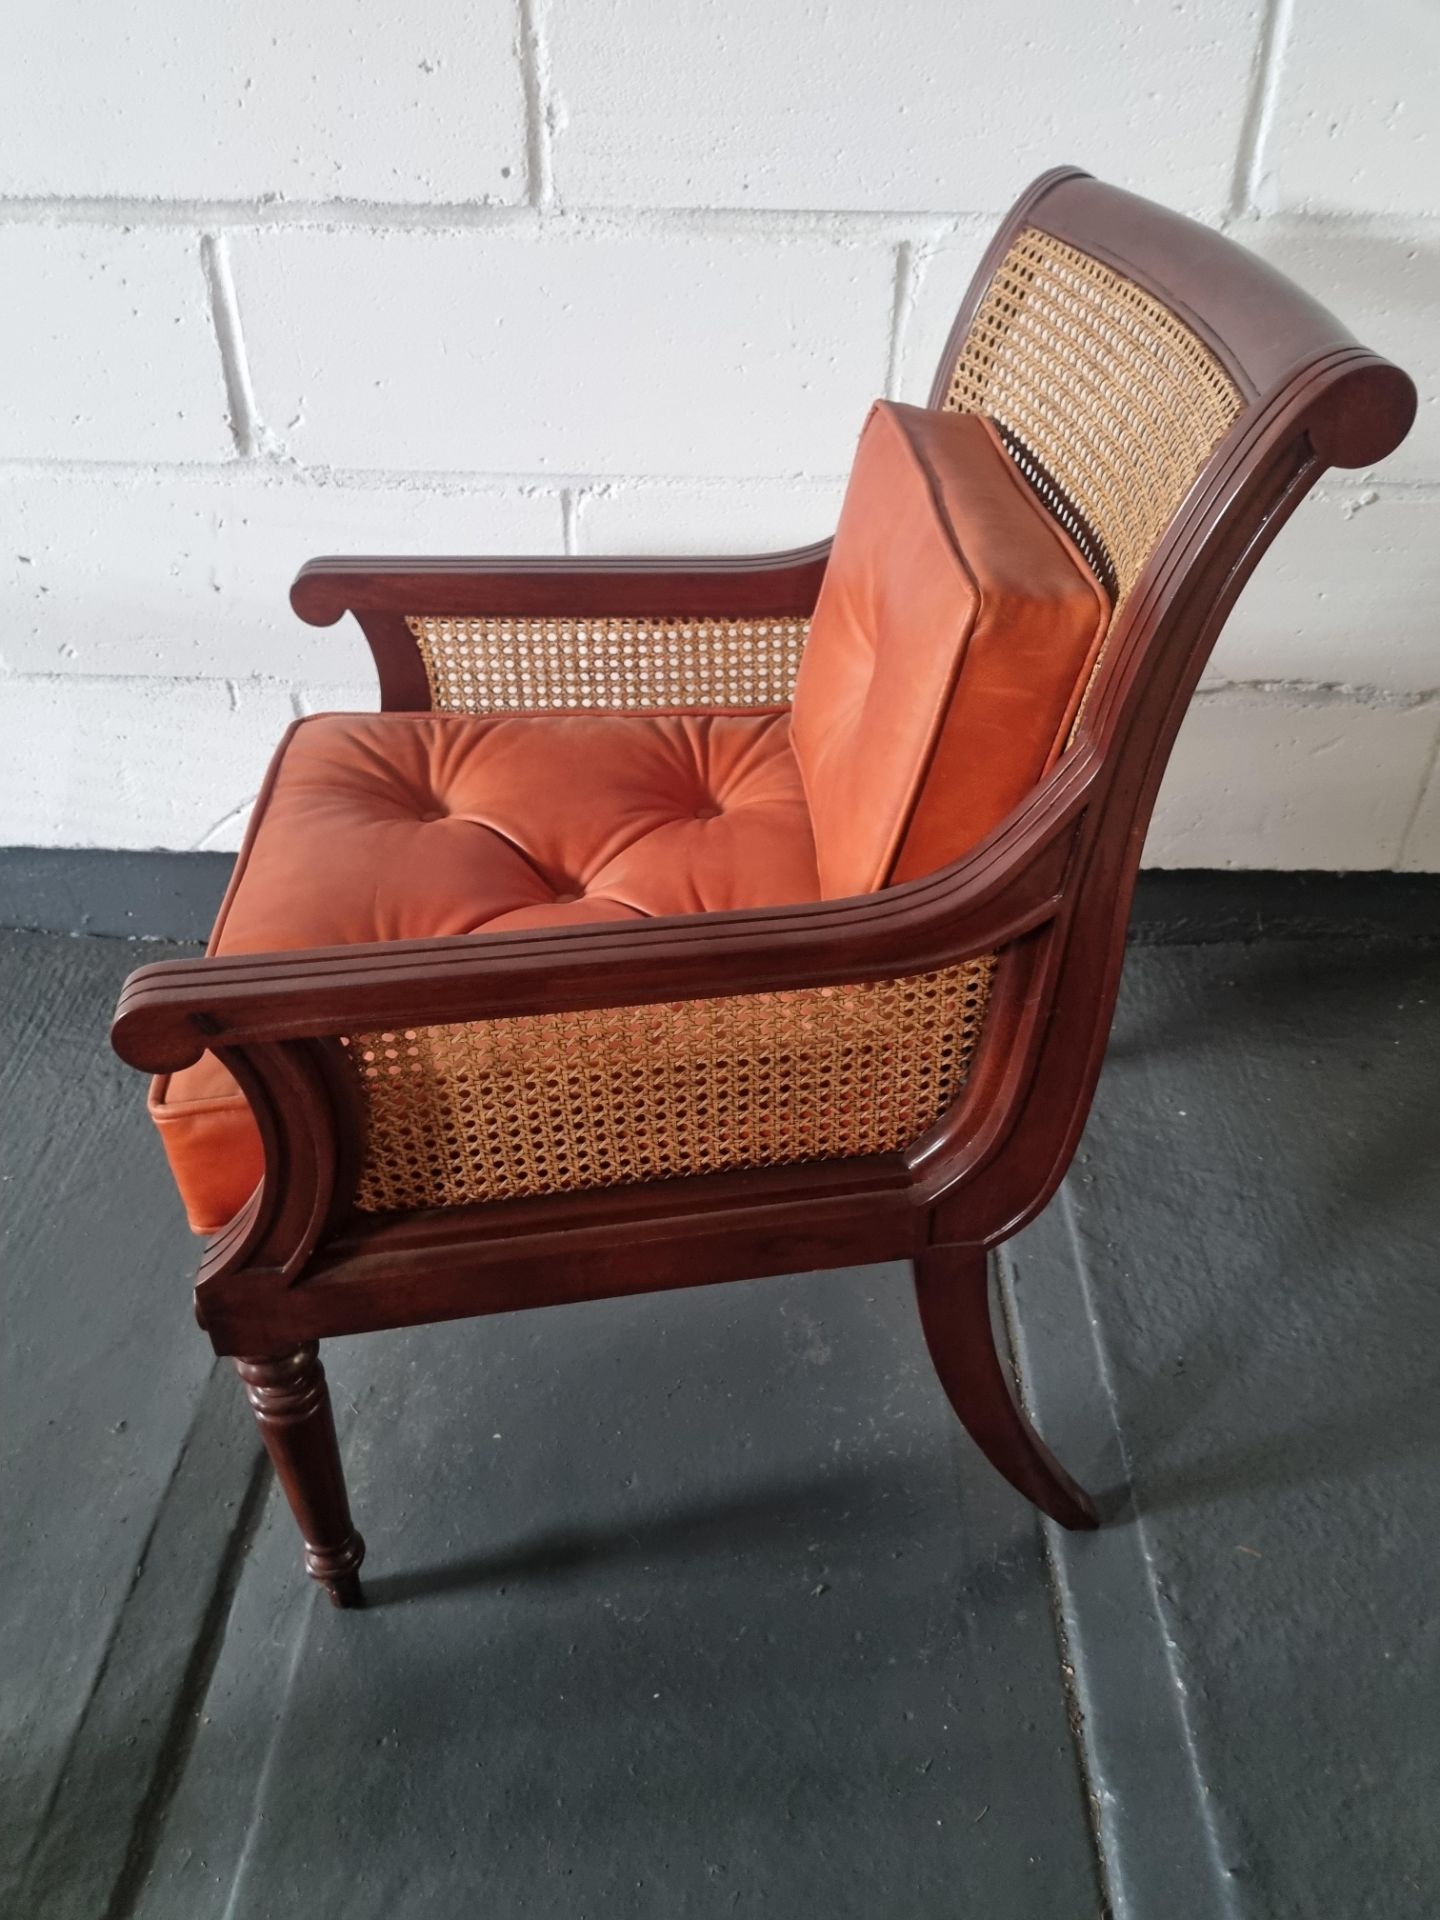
pixel 772 910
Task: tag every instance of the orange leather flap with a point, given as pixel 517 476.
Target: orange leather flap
pixel 952 639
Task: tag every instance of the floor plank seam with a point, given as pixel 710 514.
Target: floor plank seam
pixel 1074 1711
pixel 189 1698
pixel 1060 1550
pixel 102 1668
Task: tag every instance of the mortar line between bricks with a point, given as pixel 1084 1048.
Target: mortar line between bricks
pixel 1260 106
pixel 535 81
pixel 1322 692
pixel 883 225
pixel 297 474
pixel 245 427
pixel 842 225
pixel 900 304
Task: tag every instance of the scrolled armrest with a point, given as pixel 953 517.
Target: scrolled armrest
pixel 496 636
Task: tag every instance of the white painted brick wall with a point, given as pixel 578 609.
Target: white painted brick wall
pixel 1354 128
pixel 1287 777
pixel 734 516
pixel 186 573
pixel 109 352
pixel 916 103
pixel 568 352
pixel 540 275
pixel 300 102
pixel 1302 607
pixel 135 762
pixel 1420 849
pixel 1383 278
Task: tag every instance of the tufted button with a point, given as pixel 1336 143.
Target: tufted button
pixel 707 813
pixel 585 806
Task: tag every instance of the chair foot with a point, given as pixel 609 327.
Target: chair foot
pixel 952 1291
pixel 291 1404
pixel 345 1589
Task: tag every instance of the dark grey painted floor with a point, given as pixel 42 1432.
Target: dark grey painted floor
pixel 701 1605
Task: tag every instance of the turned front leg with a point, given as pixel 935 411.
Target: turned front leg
pixel 291 1403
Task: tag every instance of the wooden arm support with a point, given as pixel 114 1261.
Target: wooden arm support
pixel 381 592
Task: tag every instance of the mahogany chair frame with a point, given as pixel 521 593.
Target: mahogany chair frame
pixel 1049 891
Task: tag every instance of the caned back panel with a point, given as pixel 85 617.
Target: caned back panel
pixel 1109 403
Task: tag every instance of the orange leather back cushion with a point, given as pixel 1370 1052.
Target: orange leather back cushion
pixel 951 642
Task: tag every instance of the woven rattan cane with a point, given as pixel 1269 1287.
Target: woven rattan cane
pixel 492 1110
pixel 481 665
pixel 1110 404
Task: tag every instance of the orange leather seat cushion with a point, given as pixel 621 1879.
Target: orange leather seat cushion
pixel 410 826
pixel 951 643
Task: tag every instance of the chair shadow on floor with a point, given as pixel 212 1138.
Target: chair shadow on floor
pixel 1320 1313
pixel 1293 974
pixel 1372 1404
pixel 1368 1437
pixel 1397 1424
pixel 865 1513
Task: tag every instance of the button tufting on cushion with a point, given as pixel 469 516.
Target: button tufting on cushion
pixel 603 803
